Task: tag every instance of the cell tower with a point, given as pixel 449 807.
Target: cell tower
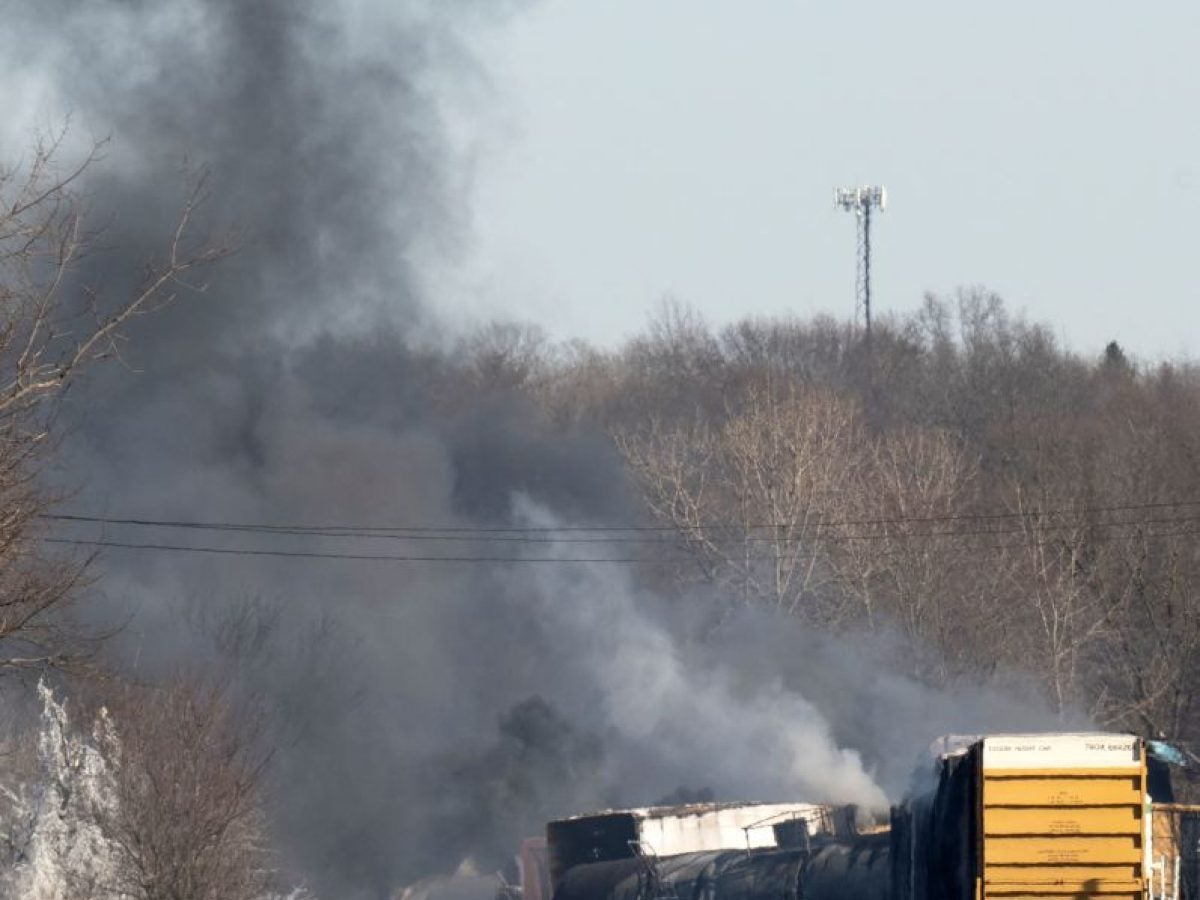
pixel 860 201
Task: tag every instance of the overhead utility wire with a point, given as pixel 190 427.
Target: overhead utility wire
pixel 367 557
pixel 682 535
pixel 317 554
pixel 679 536
pixel 411 531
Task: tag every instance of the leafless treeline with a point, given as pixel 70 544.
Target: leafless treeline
pixel 1000 502
pixel 961 481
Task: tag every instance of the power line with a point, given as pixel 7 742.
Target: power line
pixel 684 535
pixel 367 557
pixel 361 557
pixel 490 533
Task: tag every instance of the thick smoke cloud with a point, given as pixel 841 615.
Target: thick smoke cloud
pixel 424 713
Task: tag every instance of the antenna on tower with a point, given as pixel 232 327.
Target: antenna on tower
pixel 860 201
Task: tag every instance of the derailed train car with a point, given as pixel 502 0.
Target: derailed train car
pixel 762 875
pixel 850 868
pixel 1017 817
pixel 1084 816
pixel 718 852
pixel 843 869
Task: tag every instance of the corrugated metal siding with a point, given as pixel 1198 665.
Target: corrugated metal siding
pixel 1050 828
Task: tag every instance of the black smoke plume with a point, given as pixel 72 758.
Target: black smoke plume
pixel 423 713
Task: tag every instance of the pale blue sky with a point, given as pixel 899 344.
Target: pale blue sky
pixel 1047 150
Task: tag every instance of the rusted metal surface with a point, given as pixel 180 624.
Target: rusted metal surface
pixel 534 865
pixel 1175 852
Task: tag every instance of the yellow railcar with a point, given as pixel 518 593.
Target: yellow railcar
pixel 1041 817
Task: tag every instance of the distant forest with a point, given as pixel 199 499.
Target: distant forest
pixel 956 483
pixel 956 477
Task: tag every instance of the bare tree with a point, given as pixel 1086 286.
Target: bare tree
pixel 153 796
pixel 749 496
pixel 905 559
pixel 1142 671
pixel 52 326
pixel 186 823
pixel 1064 616
pixel 1144 666
pixel 504 356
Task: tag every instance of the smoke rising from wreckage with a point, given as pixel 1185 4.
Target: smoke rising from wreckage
pixel 422 716
pixel 1047 815
pixel 296 389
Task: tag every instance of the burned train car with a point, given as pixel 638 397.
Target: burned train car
pixel 717 852
pixel 729 874
pixel 1085 816
pixel 856 867
pixel 665 831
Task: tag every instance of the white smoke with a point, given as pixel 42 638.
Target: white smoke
pixel 683 714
